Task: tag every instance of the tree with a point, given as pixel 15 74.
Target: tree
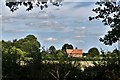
pixel 93 52
pixel 60 54
pixel 26 50
pixel 29 44
pixel 52 49
pixel 67 46
pixel 109 13
pixel 11 61
pixel 0 59
pixel 29 4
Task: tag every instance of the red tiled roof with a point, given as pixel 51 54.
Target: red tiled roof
pixel 74 51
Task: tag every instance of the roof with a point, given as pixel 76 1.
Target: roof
pixel 74 51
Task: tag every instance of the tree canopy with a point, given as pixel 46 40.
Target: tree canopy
pixel 52 49
pixel 20 52
pixel 67 46
pixel 109 14
pixel 53 66
pixel 28 44
pixel 29 4
pixel 93 52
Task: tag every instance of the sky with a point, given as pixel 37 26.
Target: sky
pixel 55 25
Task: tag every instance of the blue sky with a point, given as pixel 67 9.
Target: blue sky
pixel 56 25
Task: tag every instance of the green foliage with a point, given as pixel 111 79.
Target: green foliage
pixel 48 56
pixel 0 59
pixel 93 52
pixel 45 66
pixel 16 54
pixel 52 49
pixel 66 46
pixel 109 13
pixel 102 72
pixel 0 44
pixel 11 58
pixel 60 55
pixel 29 44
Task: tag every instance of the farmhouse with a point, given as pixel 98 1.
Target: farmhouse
pixel 74 52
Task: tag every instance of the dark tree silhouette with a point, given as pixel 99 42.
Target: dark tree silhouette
pixel 29 4
pixel 67 46
pixel 93 52
pixel 109 13
pixel 52 49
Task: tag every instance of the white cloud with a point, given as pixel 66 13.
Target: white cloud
pixel 82 12
pixel 79 28
pixel 83 28
pixel 78 36
pixel 46 25
pixel 50 39
pixel 68 10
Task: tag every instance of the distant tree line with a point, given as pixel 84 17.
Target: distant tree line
pixel 22 60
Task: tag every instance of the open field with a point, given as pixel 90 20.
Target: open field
pixel 82 64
